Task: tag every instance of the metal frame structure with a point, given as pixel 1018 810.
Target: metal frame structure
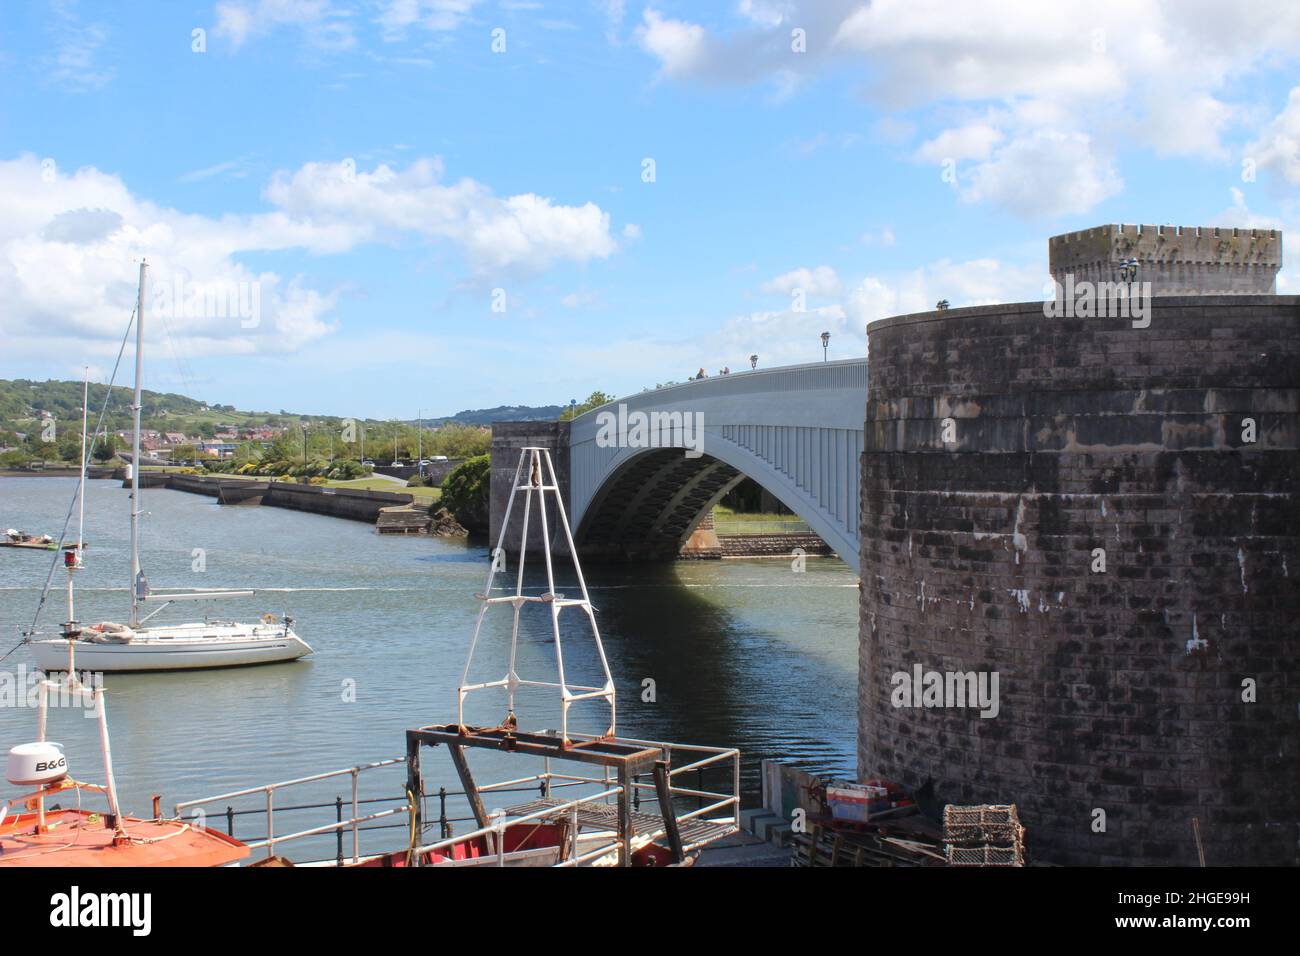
pixel 627 758
pixel 74 688
pixel 532 460
pixel 613 816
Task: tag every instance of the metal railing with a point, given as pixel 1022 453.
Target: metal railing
pixel 339 826
pixel 697 760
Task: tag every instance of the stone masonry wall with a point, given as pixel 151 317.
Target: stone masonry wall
pixel 1004 453
pixel 507 440
pixel 1176 260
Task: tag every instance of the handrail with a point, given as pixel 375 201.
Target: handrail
pixel 501 823
pixel 186 804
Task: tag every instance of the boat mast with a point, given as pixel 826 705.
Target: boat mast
pixel 73 557
pixel 75 563
pixel 81 493
pixel 135 451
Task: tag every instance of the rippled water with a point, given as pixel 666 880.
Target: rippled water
pixel 742 653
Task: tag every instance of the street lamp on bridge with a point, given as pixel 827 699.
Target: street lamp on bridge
pixel 826 344
pixel 753 362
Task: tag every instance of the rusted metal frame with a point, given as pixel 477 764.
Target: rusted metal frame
pixel 414 784
pixel 664 790
pixel 626 831
pixel 608 752
pixel 467 783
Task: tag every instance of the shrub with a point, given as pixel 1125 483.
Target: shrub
pixel 465 492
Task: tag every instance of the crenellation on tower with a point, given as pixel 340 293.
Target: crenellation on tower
pixel 1176 260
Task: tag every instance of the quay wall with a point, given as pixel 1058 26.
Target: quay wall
pixel 353 503
pixel 1143 695
pixel 437 470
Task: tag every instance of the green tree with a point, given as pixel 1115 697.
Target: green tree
pixel 594 400
pixel 458 441
pixel 465 493
pixel 105 448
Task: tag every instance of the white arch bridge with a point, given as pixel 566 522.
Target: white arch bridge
pixel 639 492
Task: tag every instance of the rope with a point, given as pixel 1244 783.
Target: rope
pixel 410 852
pixel 90 447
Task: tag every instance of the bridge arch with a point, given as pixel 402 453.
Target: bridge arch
pixel 795 430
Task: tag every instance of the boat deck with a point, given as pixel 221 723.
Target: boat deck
pixel 82 838
pixel 694 832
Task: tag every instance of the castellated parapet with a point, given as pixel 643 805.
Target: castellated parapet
pixel 1176 260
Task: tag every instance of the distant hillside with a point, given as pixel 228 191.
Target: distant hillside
pixel 23 402
pixel 506 413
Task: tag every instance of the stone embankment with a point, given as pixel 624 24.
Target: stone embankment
pixel 389 512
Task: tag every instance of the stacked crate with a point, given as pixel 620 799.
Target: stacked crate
pixel 986 835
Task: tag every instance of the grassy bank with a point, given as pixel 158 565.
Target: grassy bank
pixel 379 484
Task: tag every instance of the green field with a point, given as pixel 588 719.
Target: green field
pixel 729 521
pixel 379 484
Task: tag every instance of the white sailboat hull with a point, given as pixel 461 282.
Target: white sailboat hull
pixel 178 647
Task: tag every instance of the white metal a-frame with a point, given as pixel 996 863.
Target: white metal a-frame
pixel 535 477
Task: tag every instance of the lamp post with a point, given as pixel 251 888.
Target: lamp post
pixel 826 344
pixel 753 363
pixel 302 426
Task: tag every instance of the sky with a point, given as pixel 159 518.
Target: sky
pixel 374 207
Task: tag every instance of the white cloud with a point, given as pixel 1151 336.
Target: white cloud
pixel 679 45
pixel 614 11
pixel 820 282
pixel 1043 174
pixel 1277 148
pixel 525 232
pixel 69 243
pixel 1156 73
pixel 972 141
pixel 789 336
pixel 322 24
pixel 437 16
pixel 75 64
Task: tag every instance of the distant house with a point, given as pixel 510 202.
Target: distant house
pixel 216 449
pixel 175 438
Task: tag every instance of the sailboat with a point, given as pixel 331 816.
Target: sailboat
pixel 114 647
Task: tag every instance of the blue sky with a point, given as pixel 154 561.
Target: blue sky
pixel 378 176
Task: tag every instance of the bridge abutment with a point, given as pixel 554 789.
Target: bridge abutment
pixel 507 439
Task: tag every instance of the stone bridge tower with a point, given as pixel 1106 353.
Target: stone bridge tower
pixel 1108 518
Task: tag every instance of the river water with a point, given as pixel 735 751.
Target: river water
pixel 743 654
